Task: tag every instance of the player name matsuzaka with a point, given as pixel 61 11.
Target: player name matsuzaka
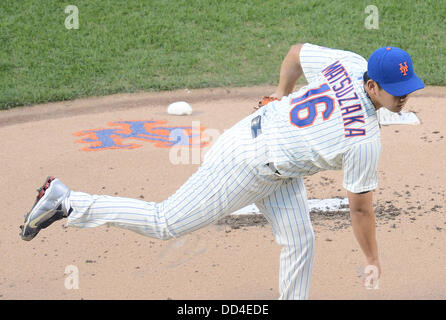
pixel 340 82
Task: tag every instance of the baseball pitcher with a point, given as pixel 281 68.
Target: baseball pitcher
pixel 330 124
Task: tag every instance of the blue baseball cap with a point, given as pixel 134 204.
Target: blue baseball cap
pixel 392 68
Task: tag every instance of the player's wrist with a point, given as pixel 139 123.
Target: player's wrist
pixel 372 259
pixel 279 93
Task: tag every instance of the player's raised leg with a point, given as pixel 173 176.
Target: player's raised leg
pixel 288 213
pixel 233 175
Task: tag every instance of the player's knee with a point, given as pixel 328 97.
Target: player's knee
pixel 307 239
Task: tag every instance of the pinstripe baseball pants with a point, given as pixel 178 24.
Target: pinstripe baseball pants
pixel 233 175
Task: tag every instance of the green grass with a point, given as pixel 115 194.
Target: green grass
pixel 133 45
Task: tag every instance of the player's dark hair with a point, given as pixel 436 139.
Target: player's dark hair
pixel 366 78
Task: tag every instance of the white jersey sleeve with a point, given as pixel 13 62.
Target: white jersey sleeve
pixel 314 59
pixel 360 164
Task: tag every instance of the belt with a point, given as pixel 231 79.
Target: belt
pixel 256 130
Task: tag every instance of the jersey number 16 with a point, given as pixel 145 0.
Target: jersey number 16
pixel 306 102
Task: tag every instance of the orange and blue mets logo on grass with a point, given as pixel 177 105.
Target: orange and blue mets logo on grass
pixel 120 134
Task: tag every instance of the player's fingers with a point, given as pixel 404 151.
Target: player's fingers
pixel 371 277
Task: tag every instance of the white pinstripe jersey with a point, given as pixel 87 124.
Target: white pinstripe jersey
pixel 330 124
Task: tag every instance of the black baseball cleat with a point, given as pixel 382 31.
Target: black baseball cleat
pixel 49 207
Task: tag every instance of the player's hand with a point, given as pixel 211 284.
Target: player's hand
pixel 372 273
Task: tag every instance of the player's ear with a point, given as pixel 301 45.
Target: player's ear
pixel 373 86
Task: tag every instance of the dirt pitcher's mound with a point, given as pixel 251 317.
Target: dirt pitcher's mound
pixel 334 220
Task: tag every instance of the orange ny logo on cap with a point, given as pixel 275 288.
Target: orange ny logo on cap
pixel 404 68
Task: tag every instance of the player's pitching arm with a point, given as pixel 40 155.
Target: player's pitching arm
pixel 363 223
pixel 290 72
